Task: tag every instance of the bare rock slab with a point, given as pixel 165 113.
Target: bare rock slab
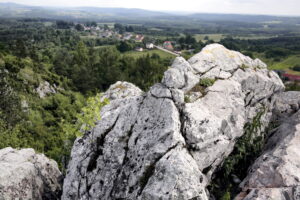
pixel 25 174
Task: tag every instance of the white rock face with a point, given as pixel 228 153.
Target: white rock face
pixel 219 59
pixel 156 146
pixel 45 88
pixel 27 175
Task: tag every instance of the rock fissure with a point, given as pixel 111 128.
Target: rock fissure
pixel 149 172
pixel 126 159
pixel 98 147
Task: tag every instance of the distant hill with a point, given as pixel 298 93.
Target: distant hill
pixel 242 17
pixel 12 10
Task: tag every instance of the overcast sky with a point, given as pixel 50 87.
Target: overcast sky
pixel 277 7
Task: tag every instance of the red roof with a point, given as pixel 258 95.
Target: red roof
pixel 291 77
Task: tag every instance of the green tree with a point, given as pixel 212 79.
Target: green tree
pixel 79 27
pixel 125 46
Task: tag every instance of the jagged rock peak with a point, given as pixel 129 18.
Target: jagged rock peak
pixel 25 174
pixel 162 145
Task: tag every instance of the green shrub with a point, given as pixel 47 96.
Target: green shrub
pixel 296 68
pixel 246 150
pixel 87 118
pixel 243 67
pixel 187 99
pixel 207 82
pixel 226 196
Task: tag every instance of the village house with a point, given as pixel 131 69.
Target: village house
pixel 86 28
pixel 149 45
pixel 140 49
pixel 127 36
pixel 139 38
pixel 168 45
pixel 106 34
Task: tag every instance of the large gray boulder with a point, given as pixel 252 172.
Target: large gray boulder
pixel 25 174
pixel 160 144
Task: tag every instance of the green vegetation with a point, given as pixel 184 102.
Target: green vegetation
pixel 292 87
pixel 206 37
pixel 87 118
pixel 296 68
pixel 200 87
pixel 243 67
pixel 246 150
pixel 76 70
pixel 207 82
pixel 156 52
pixel 187 99
pixel 288 64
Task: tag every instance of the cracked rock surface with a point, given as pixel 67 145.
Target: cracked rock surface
pixel 27 175
pixel 157 146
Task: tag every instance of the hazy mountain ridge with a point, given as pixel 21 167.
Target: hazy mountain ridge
pixel 17 10
pixel 101 13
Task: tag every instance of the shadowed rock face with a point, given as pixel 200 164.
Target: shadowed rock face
pixel 27 175
pixel 158 145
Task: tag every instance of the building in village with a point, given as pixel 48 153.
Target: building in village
pixel 149 45
pixel 139 38
pixel 168 45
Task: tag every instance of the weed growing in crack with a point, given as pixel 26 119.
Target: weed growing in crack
pixel 207 82
pixel 187 99
pixel 243 67
pixel 246 150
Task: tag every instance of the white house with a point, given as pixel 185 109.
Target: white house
pixel 149 45
pixel 127 36
pixel 139 49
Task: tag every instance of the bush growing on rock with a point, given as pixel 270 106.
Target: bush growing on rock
pixel 207 82
pixel 87 118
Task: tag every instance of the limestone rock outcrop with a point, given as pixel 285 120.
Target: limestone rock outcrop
pixel 27 175
pixel 163 145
